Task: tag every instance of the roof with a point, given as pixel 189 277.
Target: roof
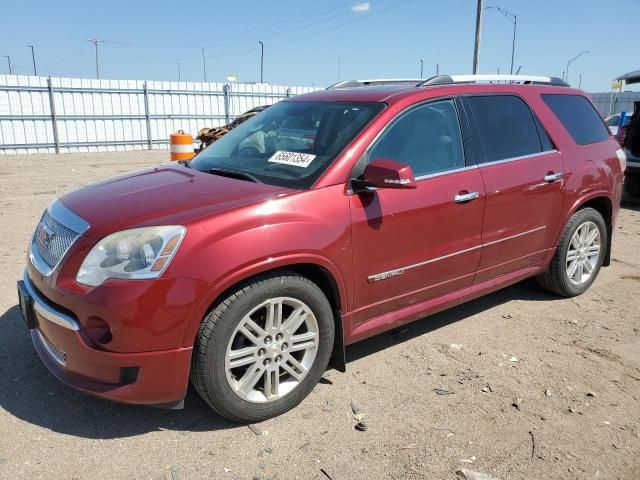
pixel 392 90
pixel 631 77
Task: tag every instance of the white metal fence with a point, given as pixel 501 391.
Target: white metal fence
pixel 64 115
pixel 609 103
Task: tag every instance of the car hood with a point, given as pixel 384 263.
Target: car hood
pixel 162 195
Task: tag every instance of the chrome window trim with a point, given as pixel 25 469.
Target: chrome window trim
pixel 400 271
pixel 445 172
pixel 47 312
pixel 515 159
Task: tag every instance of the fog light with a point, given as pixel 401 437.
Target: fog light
pixel 98 330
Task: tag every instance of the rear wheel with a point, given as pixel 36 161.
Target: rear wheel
pixel 263 348
pixel 579 255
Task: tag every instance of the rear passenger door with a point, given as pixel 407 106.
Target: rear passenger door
pixel 523 178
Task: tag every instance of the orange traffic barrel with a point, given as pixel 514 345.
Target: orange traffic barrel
pixel 181 146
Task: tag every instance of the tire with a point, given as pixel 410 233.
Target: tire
pixel 556 279
pixel 227 331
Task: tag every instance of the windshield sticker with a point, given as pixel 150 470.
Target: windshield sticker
pixel 296 159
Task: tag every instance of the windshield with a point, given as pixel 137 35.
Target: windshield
pixel 290 144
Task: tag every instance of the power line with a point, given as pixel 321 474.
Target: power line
pixel 312 14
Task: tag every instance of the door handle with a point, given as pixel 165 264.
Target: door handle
pixel 466 197
pixel 552 177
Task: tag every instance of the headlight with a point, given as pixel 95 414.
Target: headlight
pixel 131 254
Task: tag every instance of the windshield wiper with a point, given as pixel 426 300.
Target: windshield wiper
pixel 225 172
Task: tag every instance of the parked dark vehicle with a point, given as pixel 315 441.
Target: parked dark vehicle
pixel 628 134
pixel 326 219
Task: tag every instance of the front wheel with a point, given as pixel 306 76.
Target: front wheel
pixel 579 255
pixel 264 347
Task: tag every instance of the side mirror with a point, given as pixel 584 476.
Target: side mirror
pixel 383 173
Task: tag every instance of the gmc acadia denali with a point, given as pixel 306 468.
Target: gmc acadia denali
pixel 325 219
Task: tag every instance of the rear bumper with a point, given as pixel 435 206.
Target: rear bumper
pixel 156 377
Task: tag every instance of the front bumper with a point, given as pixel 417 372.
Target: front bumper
pixel 155 377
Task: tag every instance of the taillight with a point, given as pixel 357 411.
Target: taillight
pixel 622 158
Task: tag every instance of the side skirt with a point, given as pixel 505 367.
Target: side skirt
pixel 411 313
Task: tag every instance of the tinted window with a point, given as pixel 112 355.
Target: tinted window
pixel 506 126
pixel 545 141
pixel 291 143
pixel 427 138
pixel 579 117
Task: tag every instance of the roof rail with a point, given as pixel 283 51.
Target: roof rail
pixel 526 79
pixel 377 81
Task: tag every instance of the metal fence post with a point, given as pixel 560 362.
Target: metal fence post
pixel 147 117
pixel 225 90
pixel 54 118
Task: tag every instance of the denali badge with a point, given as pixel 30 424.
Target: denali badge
pixel 385 275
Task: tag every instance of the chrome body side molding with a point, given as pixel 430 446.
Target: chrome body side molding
pixel 400 271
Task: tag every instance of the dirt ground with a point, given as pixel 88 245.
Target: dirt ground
pixel 519 384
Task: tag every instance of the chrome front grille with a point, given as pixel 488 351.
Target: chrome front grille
pixel 52 239
pixel 59 227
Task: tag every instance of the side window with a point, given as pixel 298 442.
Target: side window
pixel 579 117
pixel 506 126
pixel 427 138
pixel 545 141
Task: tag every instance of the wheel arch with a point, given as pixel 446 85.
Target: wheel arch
pixel 318 270
pixel 601 203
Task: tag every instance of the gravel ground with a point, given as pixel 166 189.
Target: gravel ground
pixel 519 384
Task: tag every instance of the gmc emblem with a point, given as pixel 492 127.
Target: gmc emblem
pixel 46 235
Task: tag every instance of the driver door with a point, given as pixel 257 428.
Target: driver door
pixel 411 245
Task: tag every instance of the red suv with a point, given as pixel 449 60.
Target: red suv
pixel 327 218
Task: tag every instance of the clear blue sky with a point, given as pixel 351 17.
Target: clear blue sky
pixel 303 39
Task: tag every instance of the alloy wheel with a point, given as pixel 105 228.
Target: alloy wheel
pixel 271 350
pixel 583 253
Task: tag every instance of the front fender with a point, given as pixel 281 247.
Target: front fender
pixel 311 227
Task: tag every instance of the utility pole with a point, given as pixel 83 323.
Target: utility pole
pixel 33 57
pixel 179 73
pixel 437 69
pixel 566 78
pixel 261 61
pixel 95 42
pixel 339 68
pixel 421 67
pixel 580 80
pixel 513 19
pixel 204 66
pixel 9 62
pixel 476 49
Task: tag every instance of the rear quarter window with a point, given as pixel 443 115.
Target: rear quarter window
pixel 579 117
